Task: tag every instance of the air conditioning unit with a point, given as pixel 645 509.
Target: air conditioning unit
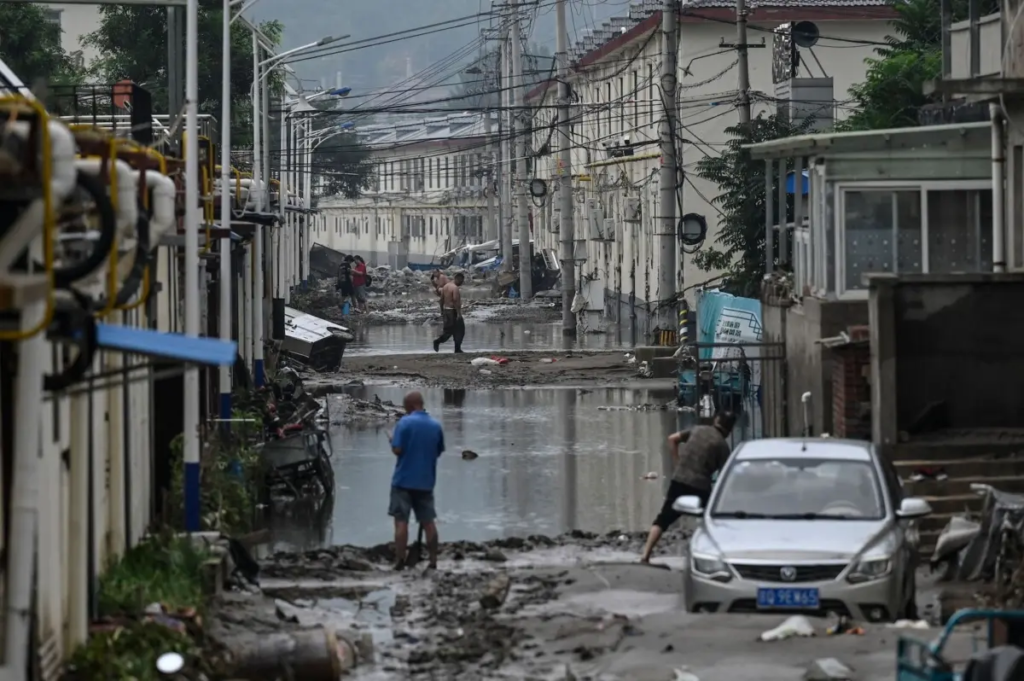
pixel 631 210
pixel 608 229
pixel 579 251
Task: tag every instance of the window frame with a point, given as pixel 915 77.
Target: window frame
pixel 839 211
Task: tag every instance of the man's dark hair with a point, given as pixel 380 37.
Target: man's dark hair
pixel 724 421
pixel 460 275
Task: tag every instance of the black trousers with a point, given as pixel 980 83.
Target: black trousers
pixel 669 515
pixel 454 328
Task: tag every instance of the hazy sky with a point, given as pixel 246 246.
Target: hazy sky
pixel 306 21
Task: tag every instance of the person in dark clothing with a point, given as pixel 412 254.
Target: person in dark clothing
pixel 705 450
pixel 454 324
pixel 344 284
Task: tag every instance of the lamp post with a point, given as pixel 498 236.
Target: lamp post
pixel 225 211
pixel 190 436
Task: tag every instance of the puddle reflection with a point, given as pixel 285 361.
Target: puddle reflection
pixel 550 460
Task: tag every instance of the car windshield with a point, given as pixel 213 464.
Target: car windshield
pixel 799 488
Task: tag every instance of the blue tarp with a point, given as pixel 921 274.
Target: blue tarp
pixel 791 183
pixel 211 351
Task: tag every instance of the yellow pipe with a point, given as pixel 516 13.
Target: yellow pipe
pixel 49 219
pixel 112 265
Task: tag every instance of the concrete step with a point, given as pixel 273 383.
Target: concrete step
pixel 936 452
pixel 957 486
pixel 966 467
pixel 954 503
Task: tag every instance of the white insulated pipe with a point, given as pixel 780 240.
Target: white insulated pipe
pixel 998 189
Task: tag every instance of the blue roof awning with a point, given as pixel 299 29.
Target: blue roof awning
pixel 791 183
pixel 210 351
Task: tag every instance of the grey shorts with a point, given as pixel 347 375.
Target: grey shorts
pixel 418 501
pixel 360 293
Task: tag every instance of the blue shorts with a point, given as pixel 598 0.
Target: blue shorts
pixel 418 501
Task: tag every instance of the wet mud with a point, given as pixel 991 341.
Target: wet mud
pixel 576 606
pixel 451 370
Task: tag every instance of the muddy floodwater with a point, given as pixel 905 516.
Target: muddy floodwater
pixel 480 336
pixel 550 460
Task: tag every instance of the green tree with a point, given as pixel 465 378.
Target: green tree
pixel 739 250
pixel 893 87
pixel 133 42
pixel 341 165
pixel 30 44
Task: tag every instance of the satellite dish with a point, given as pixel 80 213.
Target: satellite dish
pixel 806 34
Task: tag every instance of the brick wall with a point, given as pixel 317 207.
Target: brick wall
pixel 851 392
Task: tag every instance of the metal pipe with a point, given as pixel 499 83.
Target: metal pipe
pixel 256 191
pixel 769 217
pixel 248 304
pixel 224 314
pixel 24 520
pixel 998 189
pixel 255 307
pixel 192 298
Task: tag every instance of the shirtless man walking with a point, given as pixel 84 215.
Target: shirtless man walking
pixel 439 280
pixel 451 312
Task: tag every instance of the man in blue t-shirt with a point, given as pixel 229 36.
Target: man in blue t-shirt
pixel 417 442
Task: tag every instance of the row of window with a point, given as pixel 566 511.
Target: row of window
pixel 470 226
pixel 626 104
pixel 419 174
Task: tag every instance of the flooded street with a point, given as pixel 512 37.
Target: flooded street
pixel 550 460
pixel 541 524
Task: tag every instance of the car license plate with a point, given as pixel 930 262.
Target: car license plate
pixel 798 599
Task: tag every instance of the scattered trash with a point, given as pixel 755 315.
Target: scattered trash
pixel 484 361
pixel 828 669
pixel 285 612
pixel 650 476
pixel 469 455
pixel 500 360
pixel 908 624
pixel 548 360
pixel 929 473
pixel 644 370
pixel 841 624
pixel 794 627
pixel 684 674
pixel 526 332
pixel 630 358
pixel 485 372
pixel 170 663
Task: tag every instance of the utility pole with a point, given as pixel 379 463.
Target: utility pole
pixel 506 153
pixel 566 230
pixel 519 179
pixel 669 173
pixel 490 231
pixel 744 66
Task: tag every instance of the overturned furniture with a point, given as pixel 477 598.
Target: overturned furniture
pixel 314 342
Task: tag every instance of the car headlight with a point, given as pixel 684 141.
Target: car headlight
pixel 711 567
pixel 867 570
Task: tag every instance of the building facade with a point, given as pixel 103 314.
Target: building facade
pixel 432 193
pixel 616 110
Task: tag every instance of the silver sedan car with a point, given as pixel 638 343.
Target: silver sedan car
pixel 804 525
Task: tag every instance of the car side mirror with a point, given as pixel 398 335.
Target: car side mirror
pixel 689 505
pixel 912 507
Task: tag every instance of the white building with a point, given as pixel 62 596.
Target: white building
pixel 76 21
pixel 430 194
pixel 615 84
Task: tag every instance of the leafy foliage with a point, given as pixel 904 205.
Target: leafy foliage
pixel 342 164
pixel 133 43
pixel 162 569
pixel 739 250
pixel 892 91
pixel 30 44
